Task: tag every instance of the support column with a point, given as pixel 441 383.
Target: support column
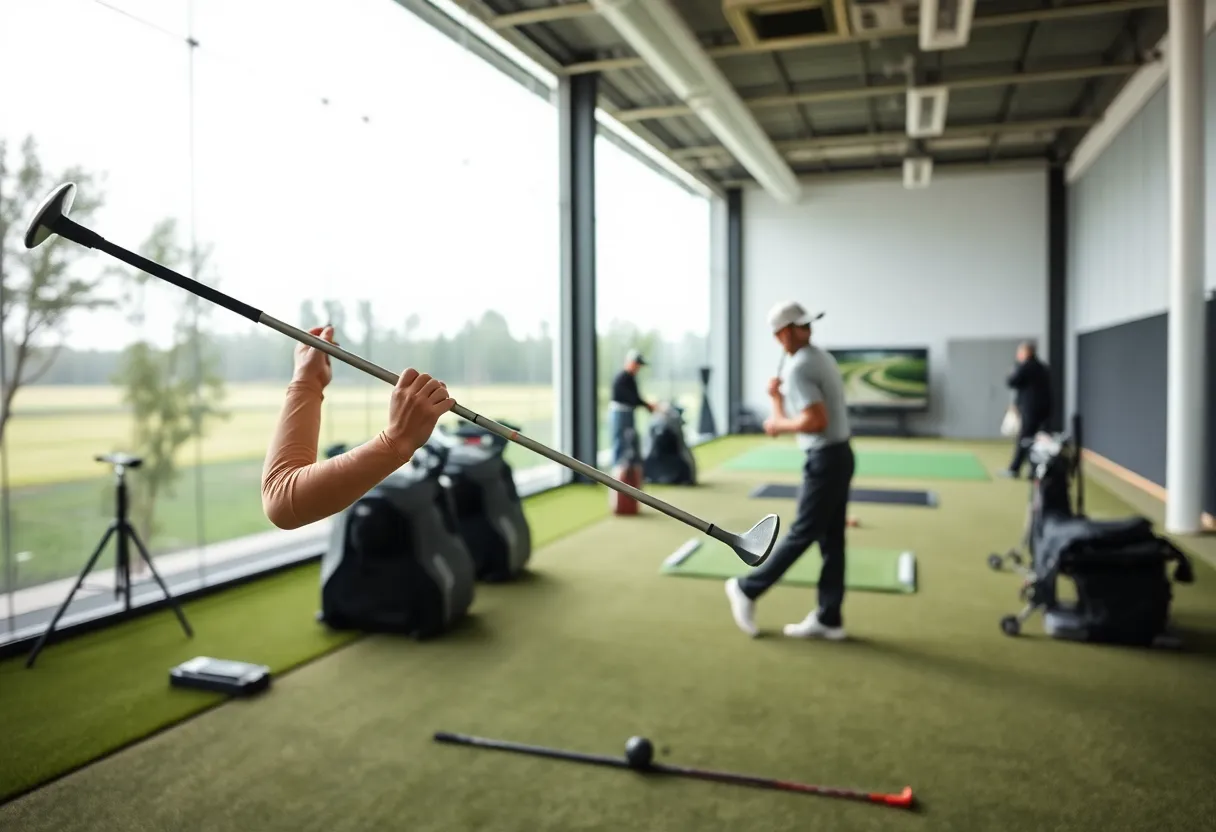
pixel 1057 291
pixel 734 307
pixel 1185 439
pixel 578 363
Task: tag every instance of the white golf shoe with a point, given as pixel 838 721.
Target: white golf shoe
pixel 742 608
pixel 810 627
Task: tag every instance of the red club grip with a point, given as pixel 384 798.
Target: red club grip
pixel 903 799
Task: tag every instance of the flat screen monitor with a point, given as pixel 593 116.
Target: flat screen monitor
pixel 885 378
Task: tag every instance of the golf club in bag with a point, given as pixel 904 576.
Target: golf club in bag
pixel 51 218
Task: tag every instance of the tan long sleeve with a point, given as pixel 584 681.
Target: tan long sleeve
pixel 296 488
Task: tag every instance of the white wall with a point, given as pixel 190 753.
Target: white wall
pixel 1118 221
pixel 964 258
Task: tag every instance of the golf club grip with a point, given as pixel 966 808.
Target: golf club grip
pixel 534 750
pixel 180 280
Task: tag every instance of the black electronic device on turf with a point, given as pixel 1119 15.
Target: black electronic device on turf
pixel 124 535
pixel 1118 566
pixel 221 676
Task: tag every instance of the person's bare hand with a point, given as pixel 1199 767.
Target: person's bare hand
pixel 312 365
pixel 416 405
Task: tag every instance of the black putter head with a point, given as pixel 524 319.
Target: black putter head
pixel 44 221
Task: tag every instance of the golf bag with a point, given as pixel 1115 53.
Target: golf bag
pixel 489 514
pixel 628 471
pixel 395 561
pixel 669 461
pixel 1118 567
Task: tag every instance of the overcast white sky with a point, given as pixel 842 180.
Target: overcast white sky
pixel 443 203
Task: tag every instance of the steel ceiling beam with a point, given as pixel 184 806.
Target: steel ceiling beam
pixel 1071 12
pixel 850 92
pixel 956 131
pixel 544 14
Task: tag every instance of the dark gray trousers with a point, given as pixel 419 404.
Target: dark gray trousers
pixel 822 516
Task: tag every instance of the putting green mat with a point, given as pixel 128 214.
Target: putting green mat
pixel 927 465
pixel 865 570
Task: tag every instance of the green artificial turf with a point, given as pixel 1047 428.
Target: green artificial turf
pixel 866 569
pixel 925 465
pixel 90 695
pixel 993 733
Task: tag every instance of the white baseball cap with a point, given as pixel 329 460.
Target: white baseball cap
pixel 790 313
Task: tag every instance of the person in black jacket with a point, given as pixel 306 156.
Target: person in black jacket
pixel 1031 383
pixel 626 398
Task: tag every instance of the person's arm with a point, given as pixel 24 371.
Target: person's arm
pixel 634 395
pixel 296 488
pixel 1017 379
pixel 811 419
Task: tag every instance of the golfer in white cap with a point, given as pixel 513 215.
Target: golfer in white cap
pixel 808 402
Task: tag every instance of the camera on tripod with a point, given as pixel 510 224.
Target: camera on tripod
pixel 120 460
pixel 125 537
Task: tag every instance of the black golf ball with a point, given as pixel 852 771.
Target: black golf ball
pixel 639 752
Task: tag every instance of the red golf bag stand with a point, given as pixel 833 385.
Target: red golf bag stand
pixel 628 471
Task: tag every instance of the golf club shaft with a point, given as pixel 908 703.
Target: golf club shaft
pixel 778 785
pixel 74 231
pixel 534 750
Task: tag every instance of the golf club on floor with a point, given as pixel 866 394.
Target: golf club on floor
pixel 638 759
pixel 752 547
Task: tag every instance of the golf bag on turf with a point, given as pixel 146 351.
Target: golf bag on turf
pixel 1118 567
pixel 489 514
pixel 669 461
pixel 395 562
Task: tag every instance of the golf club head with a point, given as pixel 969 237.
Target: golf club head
pixel 753 546
pixel 56 205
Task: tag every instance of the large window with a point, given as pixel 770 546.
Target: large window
pixel 337 162
pixel 652 286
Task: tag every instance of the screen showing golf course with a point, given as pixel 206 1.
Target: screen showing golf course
pixel 885 378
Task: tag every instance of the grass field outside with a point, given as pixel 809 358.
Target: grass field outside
pixel 61 499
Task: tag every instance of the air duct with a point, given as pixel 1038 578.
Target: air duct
pixel 918 170
pixel 668 46
pixel 945 24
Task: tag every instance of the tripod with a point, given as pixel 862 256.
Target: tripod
pixel 122 562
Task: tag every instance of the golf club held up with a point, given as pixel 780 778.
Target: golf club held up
pixel 51 218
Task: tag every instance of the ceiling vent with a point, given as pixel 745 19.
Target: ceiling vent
pixel 927 111
pixel 757 22
pixel 917 172
pixel 945 24
pixel 878 17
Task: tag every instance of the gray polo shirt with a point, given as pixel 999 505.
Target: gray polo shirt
pixel 811 375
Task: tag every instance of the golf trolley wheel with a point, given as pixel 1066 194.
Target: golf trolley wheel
pixel 994 560
pixel 1016 557
pixel 1010 625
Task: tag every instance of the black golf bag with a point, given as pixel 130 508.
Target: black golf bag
pixel 395 562
pixel 489 514
pixel 1118 567
pixel 669 460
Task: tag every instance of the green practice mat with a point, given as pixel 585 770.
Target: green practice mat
pixel 926 465
pixel 866 570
